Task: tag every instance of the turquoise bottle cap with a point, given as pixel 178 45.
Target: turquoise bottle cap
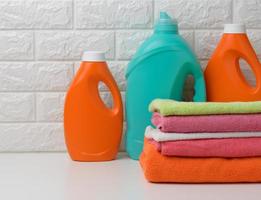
pixel 166 24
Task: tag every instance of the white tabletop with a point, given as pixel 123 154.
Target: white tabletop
pixel 48 176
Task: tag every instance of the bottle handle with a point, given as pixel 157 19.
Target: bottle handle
pixel 255 66
pixel 199 88
pixel 112 85
pixel 233 56
pixel 199 82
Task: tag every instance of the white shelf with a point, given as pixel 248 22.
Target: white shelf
pixel 53 176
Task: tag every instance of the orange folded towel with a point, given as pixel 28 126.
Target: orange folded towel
pixel 158 168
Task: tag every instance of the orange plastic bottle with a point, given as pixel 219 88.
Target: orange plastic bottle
pixel 224 79
pixel 92 130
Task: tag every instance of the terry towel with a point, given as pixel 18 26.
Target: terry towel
pixel 207 123
pixel 171 107
pixel 158 168
pixel 159 136
pixel 226 148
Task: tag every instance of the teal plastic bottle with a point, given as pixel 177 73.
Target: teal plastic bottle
pixel 158 70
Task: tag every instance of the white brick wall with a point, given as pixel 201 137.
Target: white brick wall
pixel 41 42
pixel 197 13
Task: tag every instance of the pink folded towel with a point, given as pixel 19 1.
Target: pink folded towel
pixel 227 148
pixel 207 123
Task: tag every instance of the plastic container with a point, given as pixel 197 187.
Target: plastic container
pixel 92 130
pixel 158 70
pixel 224 79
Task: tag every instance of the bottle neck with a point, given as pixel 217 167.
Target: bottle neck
pixel 166 28
pixel 166 32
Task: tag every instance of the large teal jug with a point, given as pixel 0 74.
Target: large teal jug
pixel 159 69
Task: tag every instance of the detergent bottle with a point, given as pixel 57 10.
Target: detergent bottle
pixel 224 79
pixel 158 70
pixel 92 130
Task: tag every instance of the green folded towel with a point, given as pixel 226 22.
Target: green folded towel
pixel 170 107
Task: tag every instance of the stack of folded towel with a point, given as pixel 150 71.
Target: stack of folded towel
pixel 203 142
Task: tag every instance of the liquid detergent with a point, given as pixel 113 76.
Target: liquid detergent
pixel 224 79
pixel 158 70
pixel 92 130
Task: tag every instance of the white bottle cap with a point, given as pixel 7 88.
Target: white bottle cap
pixel 234 28
pixel 94 56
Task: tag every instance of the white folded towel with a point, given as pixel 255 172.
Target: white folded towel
pixel 159 136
